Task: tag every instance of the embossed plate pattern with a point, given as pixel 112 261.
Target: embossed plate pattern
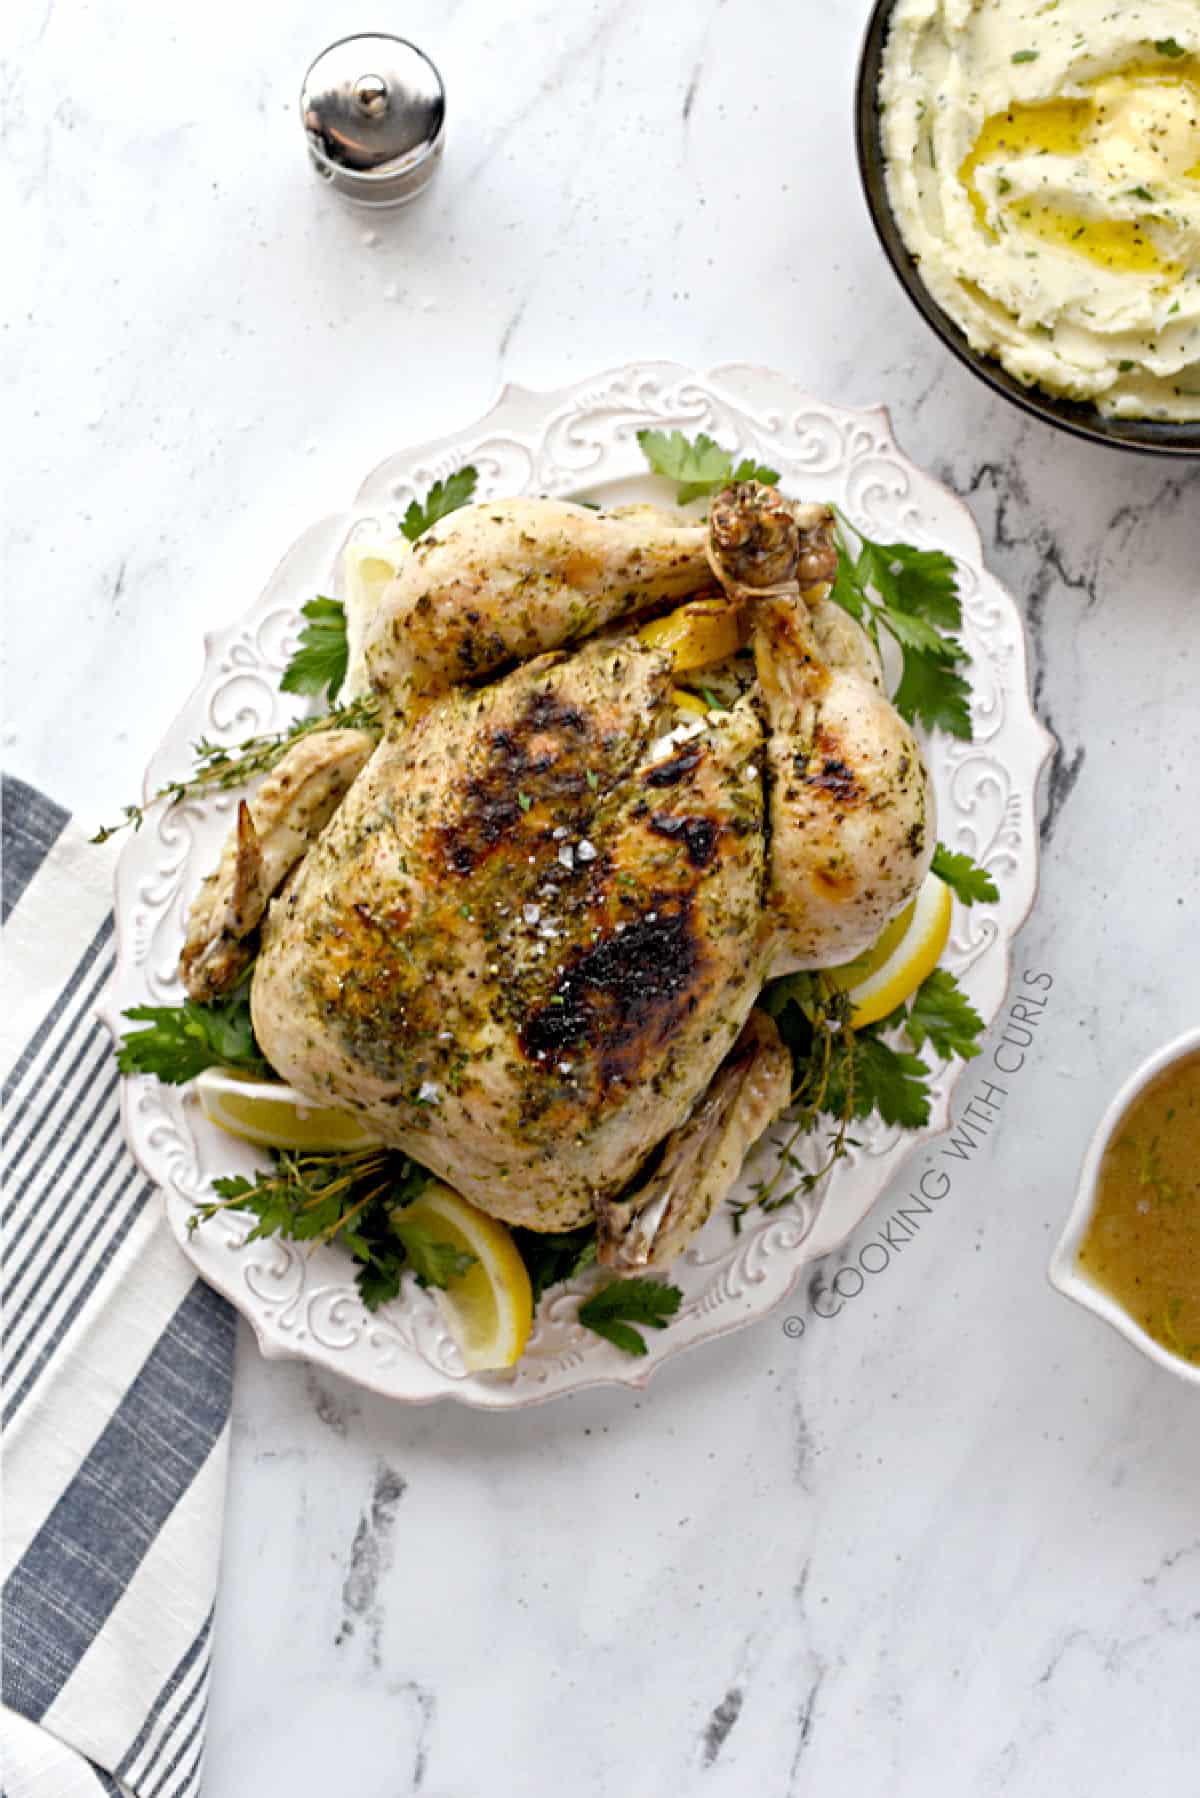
pixel 581 441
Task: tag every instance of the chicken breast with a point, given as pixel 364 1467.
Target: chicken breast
pixel 530 935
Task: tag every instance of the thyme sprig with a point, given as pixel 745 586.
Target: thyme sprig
pixel 827 1010
pixel 220 767
pixel 845 1074
pixel 358 1197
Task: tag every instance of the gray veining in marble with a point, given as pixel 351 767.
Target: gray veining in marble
pixel 943 1541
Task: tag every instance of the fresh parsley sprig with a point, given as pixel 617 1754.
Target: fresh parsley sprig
pixel 443 498
pixel 323 653
pixel 553 1256
pixel 699 464
pixel 910 593
pixel 357 1198
pixel 970 883
pixel 434 1263
pixel 612 1311
pixel 913 595
pixel 177 1042
pixel 942 1016
pixel 844 1075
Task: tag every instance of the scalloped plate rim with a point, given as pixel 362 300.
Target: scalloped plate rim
pixel 632 1375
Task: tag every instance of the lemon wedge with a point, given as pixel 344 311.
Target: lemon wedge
pixel 696 635
pixel 275 1116
pixel 908 950
pixel 690 704
pixel 489 1308
pixel 369 566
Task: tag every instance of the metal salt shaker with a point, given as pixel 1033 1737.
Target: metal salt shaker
pixel 374 110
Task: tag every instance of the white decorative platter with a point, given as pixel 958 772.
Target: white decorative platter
pixel 579 441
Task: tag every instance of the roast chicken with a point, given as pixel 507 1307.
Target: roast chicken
pixel 523 933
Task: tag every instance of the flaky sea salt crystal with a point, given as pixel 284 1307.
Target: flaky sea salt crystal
pixel 662 746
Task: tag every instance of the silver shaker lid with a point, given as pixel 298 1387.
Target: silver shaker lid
pixel 374 110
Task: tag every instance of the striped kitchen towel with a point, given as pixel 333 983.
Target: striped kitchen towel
pixel 117 1367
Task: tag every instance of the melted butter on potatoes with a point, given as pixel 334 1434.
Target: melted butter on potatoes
pixel 1044 167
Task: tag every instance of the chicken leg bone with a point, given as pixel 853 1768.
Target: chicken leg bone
pixel 850 800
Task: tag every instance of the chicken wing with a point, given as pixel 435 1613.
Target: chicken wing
pixel 290 809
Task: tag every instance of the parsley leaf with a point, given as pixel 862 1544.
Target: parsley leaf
pixel 935 695
pixel 553 1256
pixel 913 595
pixel 965 878
pixel 922 582
pixel 356 1197
pixel 1026 55
pixel 1167 46
pixel 943 1016
pixel 382 1271
pixel 750 470
pixel 801 990
pixel 925 638
pixel 699 464
pixel 180 1041
pixel 870 1075
pixel 319 664
pixel 443 498
pixel 614 1309
pixel 434 1263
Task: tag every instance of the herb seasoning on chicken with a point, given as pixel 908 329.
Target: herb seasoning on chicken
pixel 527 944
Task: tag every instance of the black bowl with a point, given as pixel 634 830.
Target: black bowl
pixel 1145 434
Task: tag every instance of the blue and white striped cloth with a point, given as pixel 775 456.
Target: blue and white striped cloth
pixel 117 1368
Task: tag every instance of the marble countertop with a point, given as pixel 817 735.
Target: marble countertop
pixel 946 1539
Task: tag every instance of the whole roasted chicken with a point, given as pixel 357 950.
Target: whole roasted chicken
pixel 523 933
